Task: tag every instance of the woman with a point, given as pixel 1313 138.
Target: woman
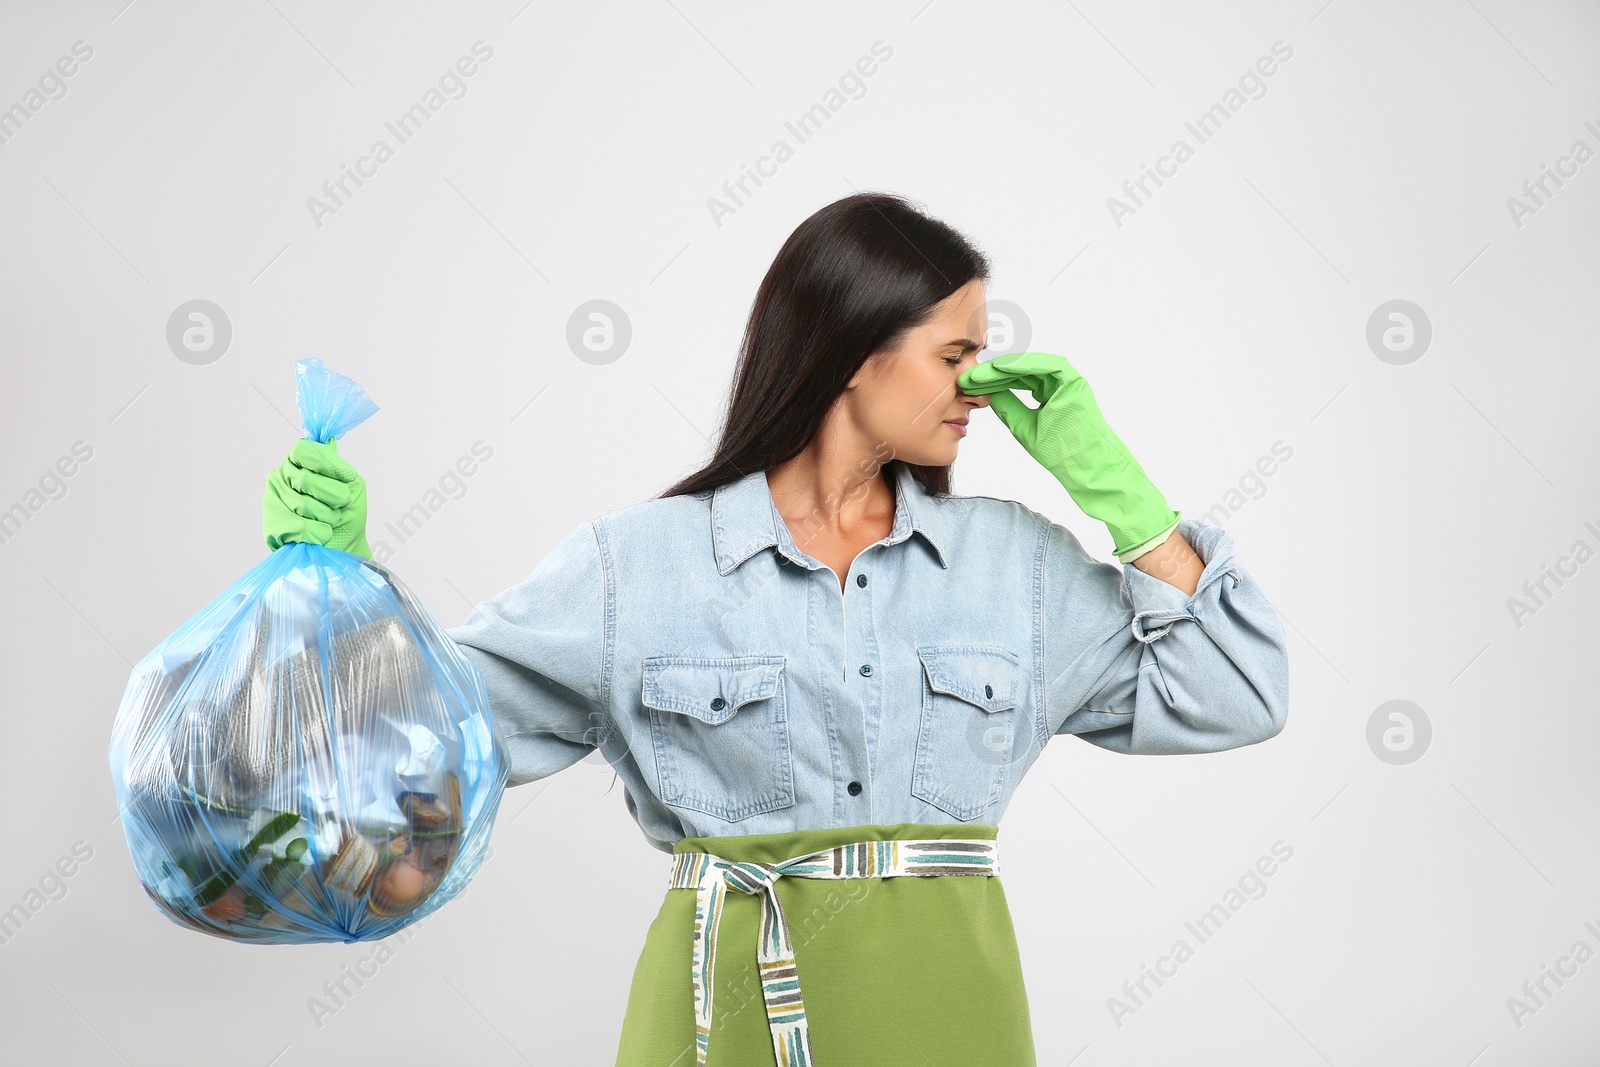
pixel 818 672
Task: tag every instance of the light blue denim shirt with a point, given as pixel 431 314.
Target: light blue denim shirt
pixel 737 690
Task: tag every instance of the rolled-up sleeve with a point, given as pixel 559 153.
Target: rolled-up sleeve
pixel 543 647
pixel 1133 664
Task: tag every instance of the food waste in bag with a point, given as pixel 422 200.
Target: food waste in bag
pixel 310 758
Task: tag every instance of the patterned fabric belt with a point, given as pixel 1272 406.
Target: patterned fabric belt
pixel 712 876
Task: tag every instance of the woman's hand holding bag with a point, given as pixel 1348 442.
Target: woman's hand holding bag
pixel 315 495
pixel 1069 437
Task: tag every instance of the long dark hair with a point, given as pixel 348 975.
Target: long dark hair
pixel 852 279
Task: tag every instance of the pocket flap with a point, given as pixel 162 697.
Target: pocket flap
pixel 710 690
pixel 979 675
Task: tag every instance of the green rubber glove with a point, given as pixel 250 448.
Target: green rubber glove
pixel 315 496
pixel 1069 437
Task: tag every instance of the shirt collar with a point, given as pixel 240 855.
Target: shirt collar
pixel 744 519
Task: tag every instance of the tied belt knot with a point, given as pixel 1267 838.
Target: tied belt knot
pixel 712 876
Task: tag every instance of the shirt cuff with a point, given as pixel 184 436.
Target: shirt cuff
pixel 1156 602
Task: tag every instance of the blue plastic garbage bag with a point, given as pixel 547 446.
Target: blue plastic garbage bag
pixel 310 758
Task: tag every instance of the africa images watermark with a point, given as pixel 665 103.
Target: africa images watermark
pixel 1251 486
pixel 735 193
pixel 52 485
pixel 337 191
pixel 1136 993
pixel 52 886
pixel 337 992
pixel 1204 127
pixel 1566 967
pixel 52 87
pixel 452 484
pixel 1538 591
pixel 1579 154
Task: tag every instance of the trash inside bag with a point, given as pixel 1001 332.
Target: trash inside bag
pixel 310 758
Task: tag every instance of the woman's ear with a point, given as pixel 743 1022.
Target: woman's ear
pixel 869 369
pixel 857 377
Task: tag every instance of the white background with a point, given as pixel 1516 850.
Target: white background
pixel 1226 314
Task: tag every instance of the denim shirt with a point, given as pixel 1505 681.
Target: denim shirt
pixel 737 690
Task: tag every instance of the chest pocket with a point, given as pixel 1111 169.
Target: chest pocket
pixel 720 728
pixel 968 729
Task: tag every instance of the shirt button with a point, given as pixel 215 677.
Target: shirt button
pixel 854 787
pixel 866 670
pixel 988 691
pixel 861 580
pixel 717 703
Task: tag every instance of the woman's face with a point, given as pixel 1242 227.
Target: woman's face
pixel 907 398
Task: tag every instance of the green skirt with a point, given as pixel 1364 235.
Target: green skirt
pixel 913 971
